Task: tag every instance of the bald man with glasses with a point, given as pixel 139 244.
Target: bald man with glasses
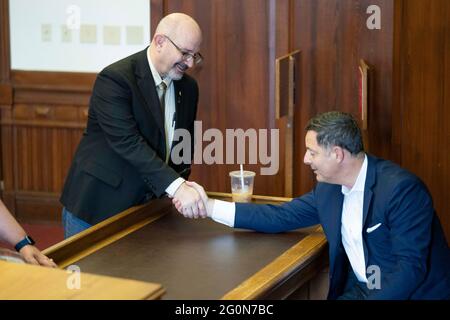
pixel 123 158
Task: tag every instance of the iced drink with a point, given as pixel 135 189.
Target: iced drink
pixel 242 185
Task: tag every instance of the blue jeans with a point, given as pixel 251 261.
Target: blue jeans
pixel 72 225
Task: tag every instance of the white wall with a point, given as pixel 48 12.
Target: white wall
pixel 39 42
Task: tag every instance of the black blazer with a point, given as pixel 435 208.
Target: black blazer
pixel 118 163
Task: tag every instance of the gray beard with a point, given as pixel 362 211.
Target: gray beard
pixel 174 75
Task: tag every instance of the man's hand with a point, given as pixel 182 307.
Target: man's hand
pixel 32 255
pixel 188 202
pixel 209 203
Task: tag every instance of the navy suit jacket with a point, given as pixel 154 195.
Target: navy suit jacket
pixel 409 246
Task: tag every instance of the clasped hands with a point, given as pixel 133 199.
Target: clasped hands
pixel 192 202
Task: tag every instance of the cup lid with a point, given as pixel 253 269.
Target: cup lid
pixel 237 173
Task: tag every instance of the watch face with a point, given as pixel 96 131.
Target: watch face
pixel 30 240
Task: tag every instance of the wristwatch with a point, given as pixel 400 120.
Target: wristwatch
pixel 24 242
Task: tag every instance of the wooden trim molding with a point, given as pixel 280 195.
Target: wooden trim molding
pixel 301 254
pixel 106 232
pixel 70 88
pixel 53 81
pixel 255 198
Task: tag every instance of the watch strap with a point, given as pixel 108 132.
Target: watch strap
pixel 24 242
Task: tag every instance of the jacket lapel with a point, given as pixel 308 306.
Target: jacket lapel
pixel 368 194
pixel 147 89
pixel 335 226
pixel 179 102
pixel 370 181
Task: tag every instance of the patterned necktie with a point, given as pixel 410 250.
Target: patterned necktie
pixel 162 96
pixel 162 87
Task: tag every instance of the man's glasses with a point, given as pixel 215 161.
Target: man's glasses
pixel 197 57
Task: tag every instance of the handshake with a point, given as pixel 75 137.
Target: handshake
pixel 192 202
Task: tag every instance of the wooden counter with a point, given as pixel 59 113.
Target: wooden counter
pixel 196 259
pixel 29 282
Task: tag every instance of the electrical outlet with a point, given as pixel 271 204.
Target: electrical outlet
pixel 88 33
pixel 135 35
pixel 66 34
pixel 46 32
pixel 111 35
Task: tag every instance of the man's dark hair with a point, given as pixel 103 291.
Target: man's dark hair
pixel 337 129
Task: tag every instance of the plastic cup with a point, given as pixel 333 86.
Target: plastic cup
pixel 242 189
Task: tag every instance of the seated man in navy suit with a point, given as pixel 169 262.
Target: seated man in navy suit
pixel 385 240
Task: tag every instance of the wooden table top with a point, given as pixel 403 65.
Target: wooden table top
pixel 29 282
pixel 195 259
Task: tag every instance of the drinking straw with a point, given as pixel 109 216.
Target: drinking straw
pixel 242 177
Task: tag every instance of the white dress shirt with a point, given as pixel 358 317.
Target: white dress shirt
pixel 169 119
pixel 351 221
pixel 224 212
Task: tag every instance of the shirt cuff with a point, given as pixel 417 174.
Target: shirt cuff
pixel 224 212
pixel 173 187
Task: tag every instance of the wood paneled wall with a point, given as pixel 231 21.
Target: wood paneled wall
pixel 408 98
pixel 333 37
pixel 40 132
pixel 409 82
pixel 5 87
pixel 422 107
pixel 237 77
